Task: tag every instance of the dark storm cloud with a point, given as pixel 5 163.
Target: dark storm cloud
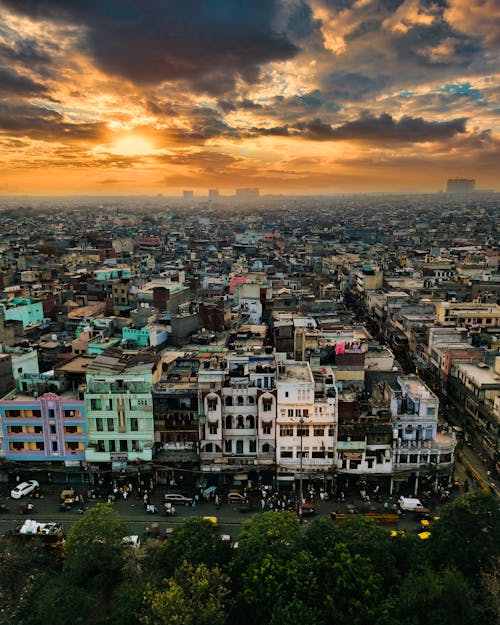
pixel 207 44
pixel 14 84
pixel 45 124
pixel 369 128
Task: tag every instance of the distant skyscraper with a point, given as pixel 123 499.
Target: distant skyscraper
pixel 247 193
pixel 188 195
pixel 213 194
pixel 460 185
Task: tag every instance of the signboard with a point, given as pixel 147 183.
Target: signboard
pixel 119 457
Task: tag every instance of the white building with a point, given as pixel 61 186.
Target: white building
pixel 306 422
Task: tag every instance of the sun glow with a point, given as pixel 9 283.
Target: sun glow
pixel 132 145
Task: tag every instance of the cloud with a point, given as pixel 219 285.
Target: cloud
pixel 371 129
pixel 45 124
pixel 480 18
pixel 210 45
pixel 12 83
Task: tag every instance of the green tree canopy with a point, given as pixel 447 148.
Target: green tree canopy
pixel 196 595
pixel 196 542
pixel 467 534
pixel 94 546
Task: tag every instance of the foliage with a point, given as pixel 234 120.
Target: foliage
pixel 94 548
pixel 467 535
pixel 197 542
pixel 429 597
pixel 196 595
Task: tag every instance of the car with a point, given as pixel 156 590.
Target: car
pixel 178 499
pixel 24 488
pixel 236 497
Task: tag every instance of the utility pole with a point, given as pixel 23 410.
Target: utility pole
pixel 301 423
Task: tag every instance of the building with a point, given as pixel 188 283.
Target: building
pixel 306 423
pixel 49 428
pixel 422 452
pixel 188 195
pixel 119 404
pixel 460 185
pixel 247 193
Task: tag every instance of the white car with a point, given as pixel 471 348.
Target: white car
pixel 23 489
pixel 180 500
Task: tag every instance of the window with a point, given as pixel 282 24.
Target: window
pixel 240 400
pixel 251 399
pixel 134 425
pixel 266 429
pixel 52 429
pixel 212 404
pixel 305 454
pixel 228 446
pixel 266 448
pixel 112 445
pixel 109 403
pixel 354 464
pixel 229 422
pixel 111 425
pixel 54 446
pixel 99 425
pixel 229 401
pixel 239 447
pixel 95 404
pixel 286 431
pixel 431 411
pixel 52 414
pixel 123 445
pixel 213 428
pixel 290 413
pixel 303 431
pixel 286 454
pixel 267 404
pixel 252 446
pixel 369 462
pixel 318 432
pixel 286 393
pixel 305 413
pixel 318 454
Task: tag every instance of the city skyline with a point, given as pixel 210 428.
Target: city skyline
pixel 291 97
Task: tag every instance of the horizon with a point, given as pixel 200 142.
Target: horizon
pixel 295 97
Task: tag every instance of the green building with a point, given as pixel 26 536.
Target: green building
pixel 24 309
pixel 119 404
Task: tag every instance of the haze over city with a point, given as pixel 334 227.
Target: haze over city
pixel 289 96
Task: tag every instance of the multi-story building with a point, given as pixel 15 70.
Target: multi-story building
pixel 237 418
pixel 176 418
pixel 420 450
pixel 474 396
pixel 26 310
pixel 118 398
pixel 306 423
pixel 48 428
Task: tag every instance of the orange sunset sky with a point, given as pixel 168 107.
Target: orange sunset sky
pixel 291 96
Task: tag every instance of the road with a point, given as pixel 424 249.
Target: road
pixel 132 512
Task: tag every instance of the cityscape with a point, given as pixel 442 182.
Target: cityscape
pixel 249 312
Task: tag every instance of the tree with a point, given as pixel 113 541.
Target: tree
pixel 196 595
pixel 430 597
pixel 467 534
pixel 196 542
pixel 94 547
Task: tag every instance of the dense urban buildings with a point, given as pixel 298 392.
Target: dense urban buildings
pixel 242 346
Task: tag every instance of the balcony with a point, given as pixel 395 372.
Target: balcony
pixel 307 463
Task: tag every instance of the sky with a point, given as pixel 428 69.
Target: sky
pixel 290 96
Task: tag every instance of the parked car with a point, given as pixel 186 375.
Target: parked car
pixel 236 497
pixel 180 500
pixel 24 488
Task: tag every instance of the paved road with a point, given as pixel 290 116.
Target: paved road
pixel 132 511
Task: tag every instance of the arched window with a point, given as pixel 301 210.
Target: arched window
pixel 240 400
pixel 229 400
pixel 266 448
pixel 240 423
pixel 250 421
pixel 229 422
pixel 251 399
